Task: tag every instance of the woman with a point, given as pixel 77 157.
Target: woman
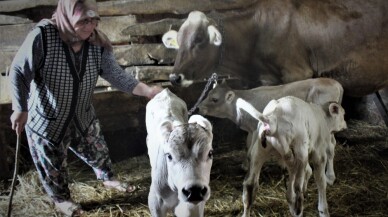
pixel 53 76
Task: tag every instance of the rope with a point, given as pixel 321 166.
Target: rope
pixel 212 79
pixel 14 175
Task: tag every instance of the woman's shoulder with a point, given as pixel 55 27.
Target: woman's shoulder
pixel 45 23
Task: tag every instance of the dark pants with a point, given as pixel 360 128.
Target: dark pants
pixel 51 160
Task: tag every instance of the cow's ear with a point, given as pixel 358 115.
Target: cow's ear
pixel 215 36
pixel 334 109
pixel 229 96
pixel 170 39
pixel 203 122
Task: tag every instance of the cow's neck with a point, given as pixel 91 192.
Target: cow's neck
pixel 235 27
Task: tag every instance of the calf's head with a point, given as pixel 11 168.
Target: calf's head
pixel 336 115
pixel 220 102
pixel 189 156
pixel 197 42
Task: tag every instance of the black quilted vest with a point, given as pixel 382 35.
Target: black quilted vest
pixel 59 93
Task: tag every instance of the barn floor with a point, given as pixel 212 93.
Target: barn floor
pixel 361 187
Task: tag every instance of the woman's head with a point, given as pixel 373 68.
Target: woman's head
pixel 85 18
pixel 77 20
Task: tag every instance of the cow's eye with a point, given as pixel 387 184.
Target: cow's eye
pixel 169 157
pixel 215 100
pixel 210 155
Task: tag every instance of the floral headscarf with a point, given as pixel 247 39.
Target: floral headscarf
pixel 68 13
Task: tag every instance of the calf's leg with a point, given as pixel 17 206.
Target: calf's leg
pixel 295 196
pixel 320 180
pixel 155 204
pixel 256 157
pixel 330 175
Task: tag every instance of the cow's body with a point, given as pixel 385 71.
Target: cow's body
pixel 221 103
pixel 279 41
pixel 295 132
pixel 180 153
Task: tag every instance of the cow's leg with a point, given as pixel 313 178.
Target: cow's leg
pixel 257 156
pixel 330 175
pixel 320 180
pixel 381 107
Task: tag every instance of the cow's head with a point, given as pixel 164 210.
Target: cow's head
pixel 198 44
pixel 189 156
pixel 219 102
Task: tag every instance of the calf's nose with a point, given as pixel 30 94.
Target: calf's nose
pixel 195 193
pixel 175 79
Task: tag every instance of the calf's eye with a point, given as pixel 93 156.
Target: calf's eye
pixel 169 157
pixel 214 100
pixel 210 155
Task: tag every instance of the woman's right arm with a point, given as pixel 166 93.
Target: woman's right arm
pixel 26 62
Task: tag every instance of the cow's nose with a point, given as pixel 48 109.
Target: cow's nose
pixel 195 193
pixel 175 79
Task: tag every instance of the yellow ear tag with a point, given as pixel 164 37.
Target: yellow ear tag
pixel 173 43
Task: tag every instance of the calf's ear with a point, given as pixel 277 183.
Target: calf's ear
pixel 215 36
pixel 200 120
pixel 170 39
pixel 334 109
pixel 229 96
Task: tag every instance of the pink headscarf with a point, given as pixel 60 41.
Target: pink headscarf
pixel 68 13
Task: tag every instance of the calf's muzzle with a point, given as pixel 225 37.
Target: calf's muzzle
pixel 195 193
pixel 175 79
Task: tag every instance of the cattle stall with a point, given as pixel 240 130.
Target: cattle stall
pixel 135 29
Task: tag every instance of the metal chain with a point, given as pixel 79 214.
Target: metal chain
pixel 212 79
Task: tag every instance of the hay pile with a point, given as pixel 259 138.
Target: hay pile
pixel 361 188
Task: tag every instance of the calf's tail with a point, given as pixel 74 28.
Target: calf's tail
pixel 241 104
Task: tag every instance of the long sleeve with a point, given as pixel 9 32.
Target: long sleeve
pixel 26 62
pixel 114 74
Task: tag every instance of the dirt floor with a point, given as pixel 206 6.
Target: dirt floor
pixel 361 187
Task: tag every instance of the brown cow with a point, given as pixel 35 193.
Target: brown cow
pixel 280 41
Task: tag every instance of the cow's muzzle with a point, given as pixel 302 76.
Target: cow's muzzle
pixel 175 79
pixel 195 193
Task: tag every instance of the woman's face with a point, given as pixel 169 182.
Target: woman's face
pixel 86 20
pixel 85 27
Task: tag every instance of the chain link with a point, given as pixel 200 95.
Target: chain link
pixel 212 79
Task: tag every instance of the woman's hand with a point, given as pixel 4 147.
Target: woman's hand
pixel 19 120
pixel 153 91
pixel 148 91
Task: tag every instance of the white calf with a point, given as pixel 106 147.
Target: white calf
pixel 295 132
pixel 180 153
